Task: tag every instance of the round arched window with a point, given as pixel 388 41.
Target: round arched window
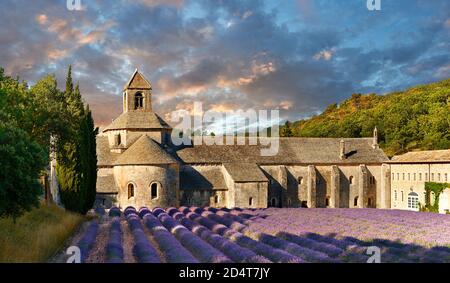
pixel 130 190
pixel 154 190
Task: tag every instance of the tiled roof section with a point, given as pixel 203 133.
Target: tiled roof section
pixel 104 155
pixel 107 185
pixel 291 150
pixel 137 120
pixel 206 178
pixel 144 151
pixel 137 81
pixel 423 156
pixel 245 172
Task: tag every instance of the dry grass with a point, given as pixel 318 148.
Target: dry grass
pixel 37 235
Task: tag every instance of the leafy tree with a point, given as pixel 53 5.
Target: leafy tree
pixel 417 118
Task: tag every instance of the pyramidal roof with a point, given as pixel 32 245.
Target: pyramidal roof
pixel 145 151
pixel 137 120
pixel 137 81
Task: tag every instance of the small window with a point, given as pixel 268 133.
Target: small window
pixel 350 180
pixel 432 176
pixel 439 177
pixel 250 201
pixel 130 191
pixel 369 202
pixel 445 177
pixel 420 176
pixel 327 201
pixel 395 195
pixel 216 199
pixel 355 201
pixel 409 176
pixel 398 176
pixel 392 176
pixel 138 101
pixel 426 176
pixel 289 202
pixel 154 190
pixel 402 197
pixel 300 180
pixel 414 176
pixel 403 176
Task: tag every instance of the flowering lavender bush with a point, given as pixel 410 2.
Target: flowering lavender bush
pixel 114 211
pixel 230 249
pixel 142 249
pixel 194 234
pixel 265 250
pixel 88 239
pixel 169 245
pixel 114 249
pixel 202 250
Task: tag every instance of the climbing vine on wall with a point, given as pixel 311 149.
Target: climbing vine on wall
pixel 436 189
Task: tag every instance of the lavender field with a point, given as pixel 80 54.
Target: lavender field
pixel 280 235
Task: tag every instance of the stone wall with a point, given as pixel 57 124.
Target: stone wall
pixel 167 176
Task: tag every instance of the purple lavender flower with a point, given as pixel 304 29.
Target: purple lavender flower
pixel 87 240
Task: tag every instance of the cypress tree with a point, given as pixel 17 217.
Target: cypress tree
pixel 76 161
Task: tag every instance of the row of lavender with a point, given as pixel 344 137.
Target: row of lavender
pixel 211 235
pixel 192 234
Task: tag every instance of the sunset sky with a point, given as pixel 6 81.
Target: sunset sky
pixel 298 56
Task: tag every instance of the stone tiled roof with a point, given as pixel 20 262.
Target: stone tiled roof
pixel 208 178
pixel 104 155
pixel 107 185
pixel 245 172
pixel 137 120
pixel 423 156
pixel 291 150
pixel 137 81
pixel 144 151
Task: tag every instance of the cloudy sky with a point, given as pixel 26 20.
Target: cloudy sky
pixel 297 56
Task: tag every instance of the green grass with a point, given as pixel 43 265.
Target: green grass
pixel 37 235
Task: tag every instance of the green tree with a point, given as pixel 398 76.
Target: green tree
pixel 76 169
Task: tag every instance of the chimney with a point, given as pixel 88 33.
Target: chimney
pixel 342 149
pixel 375 138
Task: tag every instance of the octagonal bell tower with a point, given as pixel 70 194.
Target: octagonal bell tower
pixel 137 94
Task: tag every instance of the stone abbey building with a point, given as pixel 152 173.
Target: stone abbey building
pixel 138 166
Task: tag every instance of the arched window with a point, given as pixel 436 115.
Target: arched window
pixel 413 200
pixel 355 201
pixel 216 199
pixel 250 201
pixel 138 101
pixel 273 202
pixel 327 201
pixel 369 202
pixel 350 180
pixel 300 180
pixel 154 190
pixel 130 191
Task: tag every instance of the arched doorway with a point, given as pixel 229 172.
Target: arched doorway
pixel 413 201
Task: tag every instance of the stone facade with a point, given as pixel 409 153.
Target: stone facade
pixel 410 171
pixel 138 166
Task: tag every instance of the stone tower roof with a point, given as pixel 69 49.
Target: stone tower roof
pixel 137 81
pixel 145 151
pixel 137 120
